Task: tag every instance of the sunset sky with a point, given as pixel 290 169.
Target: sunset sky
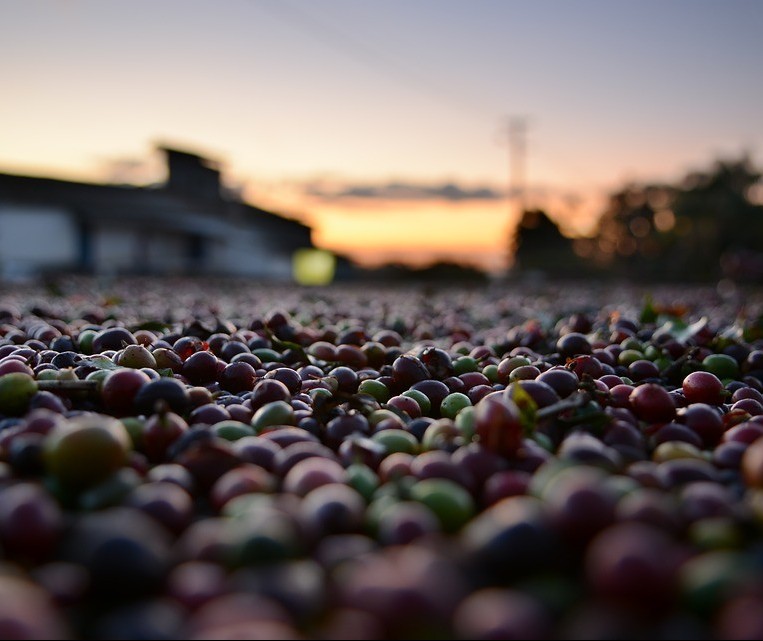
pixel 384 123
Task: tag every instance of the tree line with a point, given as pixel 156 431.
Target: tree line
pixel 707 226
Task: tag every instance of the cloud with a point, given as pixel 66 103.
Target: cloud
pixel 404 191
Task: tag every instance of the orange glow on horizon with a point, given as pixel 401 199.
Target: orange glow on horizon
pixel 375 231
pixel 417 233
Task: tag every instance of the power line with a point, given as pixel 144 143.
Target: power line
pixel 325 31
pixel 337 39
pixel 517 142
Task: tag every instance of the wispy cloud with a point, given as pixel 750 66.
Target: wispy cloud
pixel 403 191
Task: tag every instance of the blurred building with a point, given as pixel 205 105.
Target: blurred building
pixel 187 226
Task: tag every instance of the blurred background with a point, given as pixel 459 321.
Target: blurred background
pixel 344 137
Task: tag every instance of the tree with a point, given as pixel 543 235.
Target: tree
pixel 690 231
pixel 540 247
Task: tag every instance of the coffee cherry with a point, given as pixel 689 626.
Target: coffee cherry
pixel 652 403
pixel 703 387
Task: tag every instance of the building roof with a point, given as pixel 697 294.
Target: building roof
pixel 163 208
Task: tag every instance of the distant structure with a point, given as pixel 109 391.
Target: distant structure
pixel 186 226
pixel 540 248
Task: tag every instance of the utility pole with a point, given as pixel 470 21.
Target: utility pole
pixel 516 131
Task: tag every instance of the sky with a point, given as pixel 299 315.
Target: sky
pixel 386 125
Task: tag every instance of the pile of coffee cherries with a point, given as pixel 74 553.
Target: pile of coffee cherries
pixel 185 459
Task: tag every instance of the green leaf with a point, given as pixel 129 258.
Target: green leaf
pixel 672 326
pixel 281 346
pixel 151 326
pixel 100 362
pixel 528 408
pixel 692 330
pixel 648 312
pixel 754 330
pixel 591 414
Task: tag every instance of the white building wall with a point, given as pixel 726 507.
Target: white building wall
pixel 34 238
pixel 114 249
pixel 246 253
pixel 167 253
pixel 127 250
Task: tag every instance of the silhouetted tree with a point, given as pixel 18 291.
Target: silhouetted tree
pixel 719 217
pixel 540 247
pixel 703 228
